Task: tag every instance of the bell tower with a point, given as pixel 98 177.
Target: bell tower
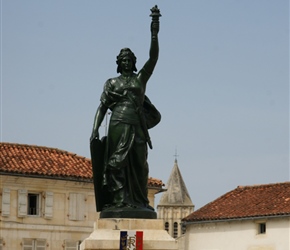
pixel 175 203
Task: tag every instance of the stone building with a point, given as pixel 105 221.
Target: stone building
pixel 47 198
pixel 175 203
pixel 248 217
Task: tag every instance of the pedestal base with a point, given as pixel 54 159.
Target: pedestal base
pixel 136 213
pixel 106 234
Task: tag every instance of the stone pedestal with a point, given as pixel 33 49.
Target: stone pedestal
pixel 106 234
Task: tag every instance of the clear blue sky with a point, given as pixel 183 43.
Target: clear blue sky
pixel 221 83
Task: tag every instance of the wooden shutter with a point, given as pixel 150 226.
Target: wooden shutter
pixel 27 244
pixel 40 244
pixel 5 202
pixel 22 203
pixel 1 244
pixel 76 206
pixel 48 205
pixel 71 245
pixel 33 244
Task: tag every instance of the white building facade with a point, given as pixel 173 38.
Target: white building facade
pixel 247 218
pixel 42 214
pixel 240 235
pixel 47 199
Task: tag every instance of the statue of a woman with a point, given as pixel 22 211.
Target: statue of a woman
pixel 124 166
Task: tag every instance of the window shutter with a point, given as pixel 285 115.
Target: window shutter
pixel 33 244
pixel 40 244
pixel 22 203
pixel 1 243
pixel 72 206
pixel 48 205
pixel 81 207
pixel 5 202
pixel 27 244
pixel 76 206
pixel 71 245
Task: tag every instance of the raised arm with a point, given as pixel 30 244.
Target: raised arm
pixel 154 47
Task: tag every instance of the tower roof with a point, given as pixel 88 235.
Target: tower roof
pixel 176 193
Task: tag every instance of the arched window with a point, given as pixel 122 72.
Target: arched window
pixel 167 226
pixel 175 230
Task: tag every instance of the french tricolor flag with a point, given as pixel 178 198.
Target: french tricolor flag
pixel 131 240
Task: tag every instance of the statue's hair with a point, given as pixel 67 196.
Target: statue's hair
pixel 126 52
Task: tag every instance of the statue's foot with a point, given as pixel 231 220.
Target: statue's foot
pixel 124 205
pixel 149 207
pixel 121 210
pixel 107 206
pixel 119 205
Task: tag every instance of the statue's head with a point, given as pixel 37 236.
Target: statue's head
pixel 123 53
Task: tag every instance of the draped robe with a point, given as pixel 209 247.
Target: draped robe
pixel 125 165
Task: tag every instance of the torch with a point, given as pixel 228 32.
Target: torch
pixel 155 21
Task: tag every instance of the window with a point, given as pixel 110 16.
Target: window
pixel 183 228
pixel 71 245
pixel 33 244
pixel 167 226
pixel 28 203
pixel 261 228
pixel 33 204
pixel 175 230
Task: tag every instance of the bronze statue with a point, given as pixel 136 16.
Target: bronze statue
pixel 119 160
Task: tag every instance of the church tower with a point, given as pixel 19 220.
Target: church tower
pixel 175 203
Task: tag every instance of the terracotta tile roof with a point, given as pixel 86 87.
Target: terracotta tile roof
pixel 43 161
pixel 31 160
pixel 152 182
pixel 246 202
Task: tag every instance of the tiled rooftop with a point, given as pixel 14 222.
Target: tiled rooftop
pixel 31 160
pixel 43 161
pixel 246 202
pixel 152 182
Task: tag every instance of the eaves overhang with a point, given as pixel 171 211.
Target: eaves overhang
pixel 264 217
pixel 64 178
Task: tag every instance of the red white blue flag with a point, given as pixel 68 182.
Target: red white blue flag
pixel 131 240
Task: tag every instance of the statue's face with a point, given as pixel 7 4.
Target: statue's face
pixel 127 64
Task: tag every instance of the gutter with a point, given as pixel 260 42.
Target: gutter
pixel 48 177
pixel 62 178
pixel 236 219
pixel 160 189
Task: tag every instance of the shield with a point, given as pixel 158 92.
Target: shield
pixel 97 148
